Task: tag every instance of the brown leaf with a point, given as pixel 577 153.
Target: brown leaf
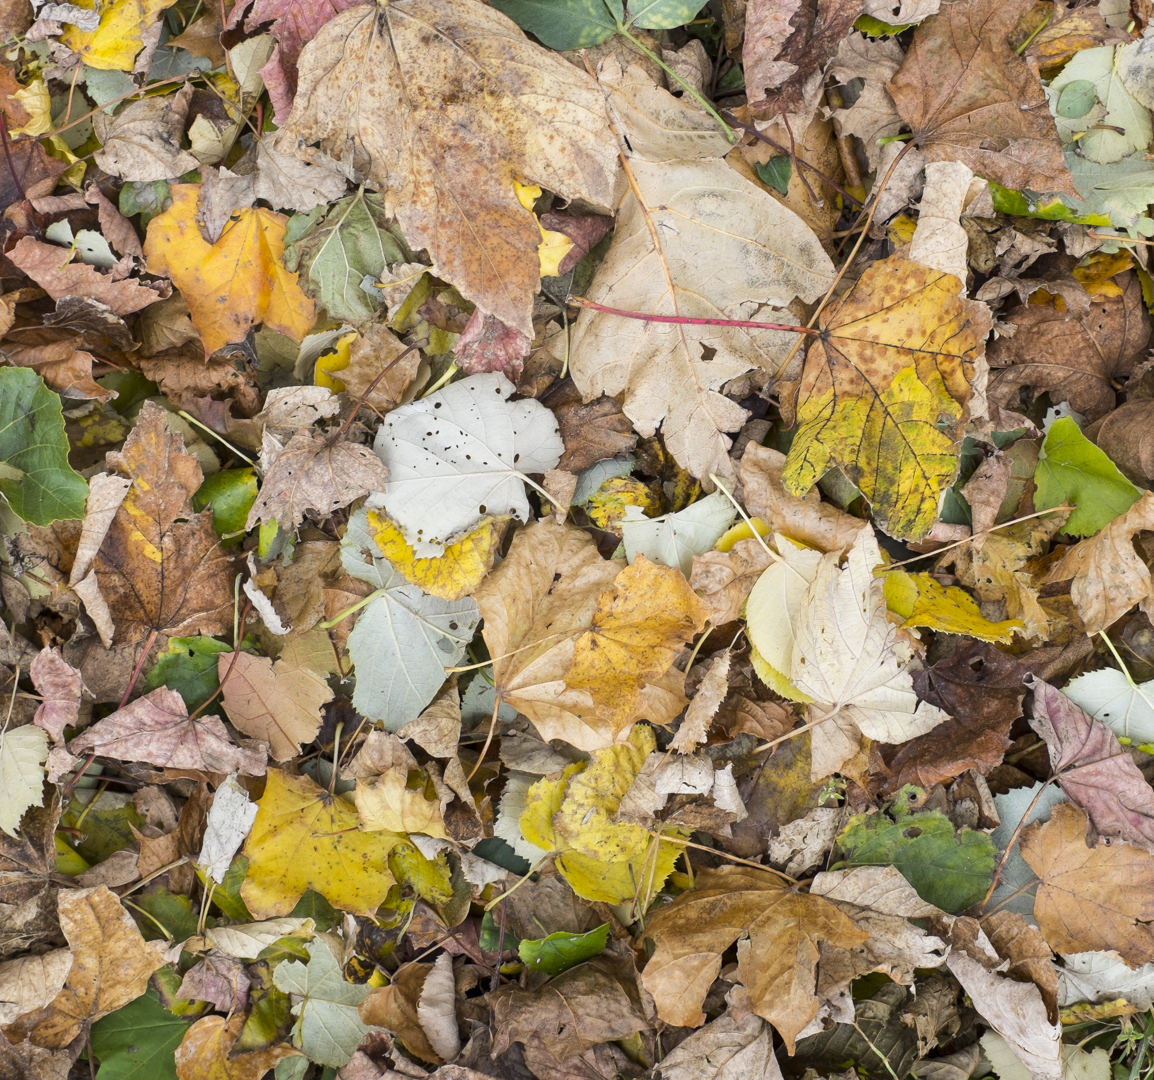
pixel 117 229
pixel 448 166
pixel 591 432
pixel 808 520
pixel 395 1007
pixel 1074 357
pixel 969 97
pixel 723 580
pixel 1090 899
pixel 160 566
pixel 218 978
pixel 32 169
pixel 156 728
pixel 206 1051
pixel 52 268
pixel 159 852
pixel 585 230
pixel 279 703
pixel 487 344
pixel 592 1003
pixel 1053 33
pixel 184 372
pixel 375 348
pixel 30 983
pixel 985 491
pixel 111 964
pixel 1109 576
pixel 308 474
pixel 711 692
pixel 1093 769
pixel 1127 437
pixel 1030 957
pixel 777 964
pixel 59 685
pixel 142 143
pixel 27 896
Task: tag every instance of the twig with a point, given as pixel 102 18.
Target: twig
pixel 797 731
pixel 489 740
pixel 136 670
pixel 334 439
pixel 1010 845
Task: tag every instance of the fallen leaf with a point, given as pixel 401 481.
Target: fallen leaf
pixel 873 116
pixel 232 284
pixel 246 941
pixel 591 432
pixel 59 685
pixel 402 798
pixel 871 403
pixel 1091 102
pixel 922 600
pixel 304 838
pixel 205 1052
pixel 113 45
pixel 286 182
pixel 459 454
pixel 781 932
pixel 969 97
pixel 1089 898
pixel 278 702
pixel 161 567
pixel 1031 960
pixel 487 344
pixel 686 267
pixel 1096 977
pixel 674 539
pixel 1125 435
pixel 723 580
pixel 1113 697
pixel 218 978
pixel 29 983
pixel 23 751
pixel 142 142
pixel 1106 575
pixel 727 1046
pixel 711 692
pixel 451 186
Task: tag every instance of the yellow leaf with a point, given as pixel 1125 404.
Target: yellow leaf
pixel 431 879
pixel 741 531
pixel 554 246
pixel 401 801
pixel 232 284
pixel 885 389
pixel 335 359
pixel 923 601
pixel 774 679
pixel 606 506
pixel 113 45
pixel 450 576
pixel 37 103
pixel 304 838
pixel 573 817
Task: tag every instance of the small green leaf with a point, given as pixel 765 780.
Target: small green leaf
pixel 1046 207
pixel 561 951
pixel 230 493
pixel 776 172
pixel 188 666
pixel 314 906
pixel 226 895
pixel 565 24
pixel 1076 99
pixel 270 1013
pixel 138 1041
pixel 490 936
pixel 146 198
pixel 950 869
pixel 32 440
pixel 661 14
pixel 1071 469
pixel 174 911
pixel 875 28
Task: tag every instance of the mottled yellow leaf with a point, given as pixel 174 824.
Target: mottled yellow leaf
pixel 113 45
pixel 232 284
pixel 401 800
pixel 923 601
pixel 450 576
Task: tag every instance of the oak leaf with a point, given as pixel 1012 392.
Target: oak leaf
pixel 703 243
pixel 304 838
pixel 1090 899
pixel 970 97
pixel 885 391
pixel 446 164
pixel 161 567
pixel 231 284
pixel 780 929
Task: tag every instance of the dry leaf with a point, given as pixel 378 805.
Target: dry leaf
pixel 59 685
pixel 142 143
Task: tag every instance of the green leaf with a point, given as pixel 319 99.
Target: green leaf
pixel 561 951
pixel 230 493
pixel 146 198
pixel 32 440
pixel 188 666
pixel 314 906
pixel 776 172
pixel 950 869
pixel 226 896
pixel 1071 469
pixel 270 1013
pixel 1046 207
pixel 166 981
pixel 875 28
pixel 490 936
pixel 107 823
pixel 1076 99
pixel 138 1042
pixel 174 911
pixel 338 248
pixel 329 1028
pixel 565 24
pixel 661 14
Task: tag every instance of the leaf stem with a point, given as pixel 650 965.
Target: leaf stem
pixel 797 731
pixel 328 624
pixel 685 320
pixel 756 535
pixel 136 670
pixel 216 435
pixel 489 738
pixel 725 855
pixel 1010 845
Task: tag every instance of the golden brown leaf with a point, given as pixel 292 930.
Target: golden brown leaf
pixel 205 1052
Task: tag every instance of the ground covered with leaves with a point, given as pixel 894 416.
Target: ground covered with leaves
pixel 576 539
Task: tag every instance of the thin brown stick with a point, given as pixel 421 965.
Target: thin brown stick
pixel 244 614
pixel 725 855
pixel 489 740
pixel 1010 846
pixel 136 670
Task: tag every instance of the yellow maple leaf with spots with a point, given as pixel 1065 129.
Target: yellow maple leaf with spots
pixel 119 36
pixel 235 283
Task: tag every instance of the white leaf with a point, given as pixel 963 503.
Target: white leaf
pixel 403 640
pixel 1116 108
pixel 329 1027
pixel 1120 190
pixel 1076 1063
pixel 590 480
pixel 725 1049
pixel 23 751
pixel 1095 977
pixel 509 811
pixel 436 1009
pixel 229 819
pixel 460 454
pixel 939 240
pixel 673 539
pixel 847 657
pixel 1126 708
pixel 245 941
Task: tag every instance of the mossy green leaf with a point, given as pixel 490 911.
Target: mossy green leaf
pixel 561 951
pixel 565 24
pixel 230 493
pixel 188 665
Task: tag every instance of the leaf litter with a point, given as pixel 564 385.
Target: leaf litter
pixel 576 539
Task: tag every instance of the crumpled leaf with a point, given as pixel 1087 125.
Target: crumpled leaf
pixel 229 819
pixel 781 931
pixel 309 474
pixel 458 455
pixel 873 116
pixel 448 172
pixel 59 685
pixel 304 838
pixel 1090 899
pixel 725 1047
pixel 706 267
pixel 29 983
pixel 160 566
pixel 23 751
pixel 404 639
pixel 872 403
pixel 142 142
pixel 969 97
pixel 674 539
pixel 232 284
pixel 723 580
pixel 1095 976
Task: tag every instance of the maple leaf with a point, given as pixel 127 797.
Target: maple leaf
pixel 448 170
pixel 206 1051
pixel 678 252
pixel 231 284
pixel 780 931
pixel 161 568
pixel 893 366
pixel 969 97
pixel 119 35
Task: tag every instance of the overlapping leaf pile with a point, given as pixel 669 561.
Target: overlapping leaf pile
pixel 571 538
